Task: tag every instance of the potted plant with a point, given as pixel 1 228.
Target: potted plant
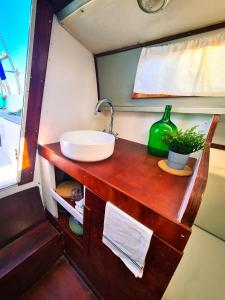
pixel 181 144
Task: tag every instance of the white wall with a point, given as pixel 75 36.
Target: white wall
pixel 70 92
pixel 70 96
pixel 135 126
pixel 219 137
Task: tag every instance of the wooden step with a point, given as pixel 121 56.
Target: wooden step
pixel 26 259
pixel 19 213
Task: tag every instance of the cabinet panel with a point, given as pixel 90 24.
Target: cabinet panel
pixel 112 277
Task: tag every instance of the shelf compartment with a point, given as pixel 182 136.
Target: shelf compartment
pixel 68 207
pixel 63 222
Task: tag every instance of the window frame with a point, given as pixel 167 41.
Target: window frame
pixel 40 48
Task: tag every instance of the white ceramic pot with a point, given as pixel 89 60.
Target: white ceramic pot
pixel 177 160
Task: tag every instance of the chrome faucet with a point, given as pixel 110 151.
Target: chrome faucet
pixel 109 102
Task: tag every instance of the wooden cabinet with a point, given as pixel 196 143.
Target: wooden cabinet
pixel 105 271
pixel 109 274
pixel 132 181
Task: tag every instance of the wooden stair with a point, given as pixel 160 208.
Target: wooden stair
pixel 30 244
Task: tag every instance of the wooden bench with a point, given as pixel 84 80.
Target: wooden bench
pixel 29 243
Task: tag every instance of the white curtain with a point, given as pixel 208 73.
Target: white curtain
pixel 190 68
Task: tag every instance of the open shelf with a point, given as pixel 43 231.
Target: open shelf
pixel 67 205
pixel 63 222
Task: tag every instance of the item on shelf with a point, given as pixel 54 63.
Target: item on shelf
pixel 181 144
pixel 77 194
pixel 187 171
pixel 156 145
pixel 70 190
pixel 75 226
pixel 80 206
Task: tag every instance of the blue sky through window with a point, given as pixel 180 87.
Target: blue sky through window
pixel 14 28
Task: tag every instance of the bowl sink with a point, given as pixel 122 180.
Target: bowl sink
pixel 87 145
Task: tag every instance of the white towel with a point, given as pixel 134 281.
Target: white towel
pixel 127 238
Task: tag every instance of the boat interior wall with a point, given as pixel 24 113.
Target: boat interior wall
pixel 193 277
pixel 219 137
pixel 103 25
pixel 63 96
pixel 116 76
pixel 134 126
pixel 68 100
pixel 211 214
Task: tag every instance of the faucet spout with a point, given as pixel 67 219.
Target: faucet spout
pixel 97 108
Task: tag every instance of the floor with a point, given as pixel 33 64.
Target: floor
pixel 61 282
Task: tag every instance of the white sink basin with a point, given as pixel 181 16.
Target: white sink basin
pixel 87 145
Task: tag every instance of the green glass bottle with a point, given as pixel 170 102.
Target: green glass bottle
pixel 155 144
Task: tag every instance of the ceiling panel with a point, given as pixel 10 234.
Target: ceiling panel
pixel 102 25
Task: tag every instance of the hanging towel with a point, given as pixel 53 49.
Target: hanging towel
pixel 127 238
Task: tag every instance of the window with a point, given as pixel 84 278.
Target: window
pixel 14 42
pixel 42 13
pixel 193 67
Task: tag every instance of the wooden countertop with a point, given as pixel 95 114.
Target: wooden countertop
pixel 132 180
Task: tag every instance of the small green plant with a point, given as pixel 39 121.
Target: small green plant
pixel 185 142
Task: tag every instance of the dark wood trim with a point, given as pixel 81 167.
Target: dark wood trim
pixel 201 179
pixel 97 76
pixel 218 146
pixel 165 39
pixel 42 34
pixel 212 129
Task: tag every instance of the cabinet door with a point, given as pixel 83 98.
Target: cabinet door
pixel 109 274
pixel 98 272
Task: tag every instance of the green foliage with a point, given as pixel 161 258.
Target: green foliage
pixel 185 142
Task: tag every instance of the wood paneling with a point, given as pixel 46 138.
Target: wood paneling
pixel 42 33
pixel 132 180
pixel 218 146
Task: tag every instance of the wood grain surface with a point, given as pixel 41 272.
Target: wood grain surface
pixel 131 179
pixel 42 34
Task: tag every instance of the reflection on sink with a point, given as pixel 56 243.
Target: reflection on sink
pixel 87 145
